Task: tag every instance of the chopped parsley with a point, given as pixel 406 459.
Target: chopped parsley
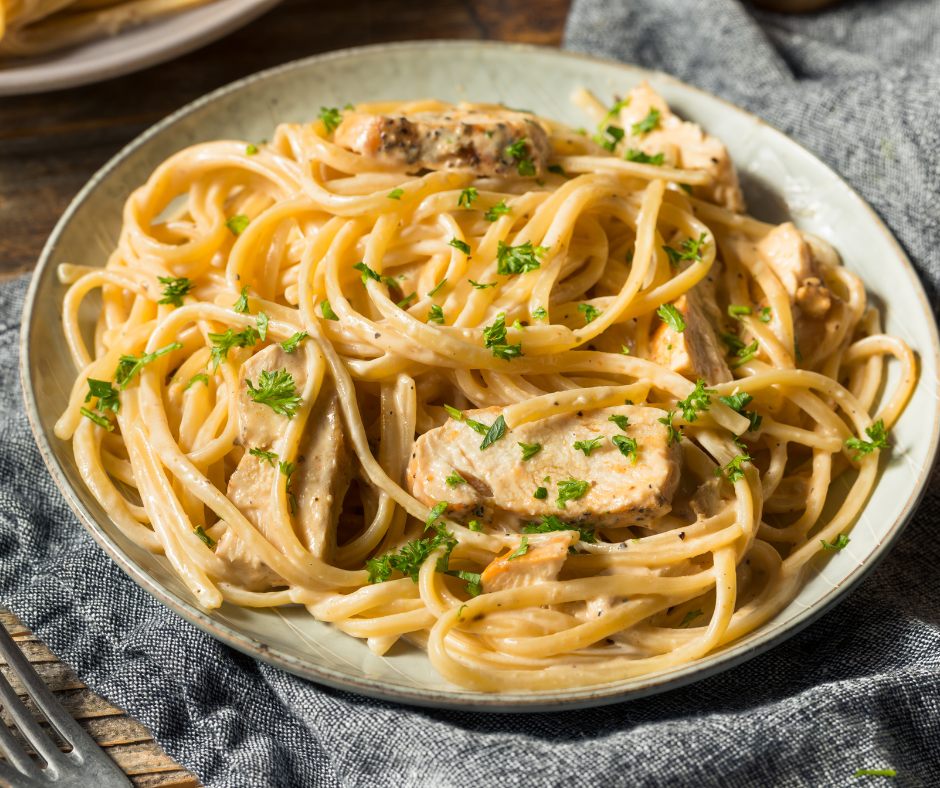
pixel 841 541
pixel 539 314
pixel 690 250
pixel 101 421
pixel 496 333
pixel 436 287
pixel 673 435
pixel 557 169
pixel 269 457
pixel 479 286
pixel 241 305
pixel 799 356
pixel 327 310
pixel 434 514
pixel 521 550
pixel 609 137
pixel 519 326
pixel 478 427
pixel 238 224
pixel 395 194
pixel 550 524
pixel 733 468
pixel 436 315
pixel 368 273
pixel 529 450
pixel 289 345
pixel 277 391
pixel 765 315
pixel 174 289
pixel 641 158
pixel 526 167
pixel 615 110
pixel 689 618
pixel 735 311
pixel 475 526
pixel 508 352
pixel 878 440
pixel 571 490
pixel 496 211
pixel 745 354
pixel 467 197
pixel 628 447
pixel 409 558
pixel 128 366
pixel 686 188
pixel 696 401
pixel 454 479
pixel 251 150
pixel 591 313
pixel 454 413
pixel 672 317
pixel 494 433
pixel 331 118
pixel 624 350
pixel 106 394
pixel 225 342
pixel 458 244
pixel 406 300
pixel 540 493
pixel 650 122
pixel 588 446
pixel 518 259
pixel 737 402
pixel 621 421
pixel 262 321
pixel 201 533
pixel 201 377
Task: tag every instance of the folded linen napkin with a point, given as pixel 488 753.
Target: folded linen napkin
pixel 858 84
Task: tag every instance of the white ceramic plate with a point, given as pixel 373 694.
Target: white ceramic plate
pixel 780 178
pixel 131 50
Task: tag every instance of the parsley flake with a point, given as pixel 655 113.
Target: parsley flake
pixel 690 250
pixel 454 479
pixel 463 246
pixel 878 440
pixel 331 118
pixel 621 421
pixel 641 158
pixel 106 394
pixel 521 550
pixel 550 524
pixel 765 315
pixel 264 456
pixel 650 122
pixel 841 541
pixel 128 366
pixel 327 310
pixel 496 211
pixel 672 317
pixel 540 493
pixel 628 447
pixel 241 305
pixel 689 618
pixel 436 315
pixel 201 377
pixel 734 469
pixel 479 286
pixel 539 314
pixel 696 401
pixel 101 421
pixel 467 197
pixel 518 259
pixel 571 490
pixel 238 224
pixel 174 289
pixel 395 194
pixel 277 391
pixel 735 311
pixel 529 450
pixel 587 446
pixel 494 433
pixel 201 533
pixel 591 313
pixel 454 413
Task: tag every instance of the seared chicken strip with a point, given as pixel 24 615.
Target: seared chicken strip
pixel 499 485
pixel 540 563
pixel 694 352
pixel 477 142
pixel 683 144
pixel 324 467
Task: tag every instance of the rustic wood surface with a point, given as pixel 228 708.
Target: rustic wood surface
pixel 52 143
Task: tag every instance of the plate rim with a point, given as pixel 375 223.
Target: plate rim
pixel 594 695
pixel 37 78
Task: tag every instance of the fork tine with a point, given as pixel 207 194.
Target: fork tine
pixel 14 751
pixel 98 769
pixel 25 721
pixel 9 775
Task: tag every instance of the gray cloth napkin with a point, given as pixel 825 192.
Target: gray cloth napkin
pixel 860 85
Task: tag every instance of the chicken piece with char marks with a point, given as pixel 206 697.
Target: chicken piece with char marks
pixel 499 485
pixel 486 144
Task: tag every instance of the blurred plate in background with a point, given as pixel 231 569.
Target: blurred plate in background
pixel 130 50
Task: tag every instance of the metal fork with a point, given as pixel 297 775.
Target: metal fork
pixel 86 766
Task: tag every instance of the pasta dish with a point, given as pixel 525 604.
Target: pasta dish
pixel 37 27
pixel 545 402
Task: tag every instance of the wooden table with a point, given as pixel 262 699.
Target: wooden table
pixel 52 143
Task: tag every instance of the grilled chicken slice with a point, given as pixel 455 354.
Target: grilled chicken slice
pixel 541 562
pixel 324 465
pixel 683 144
pixel 499 485
pixel 465 140
pixel 694 352
pixel 787 255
